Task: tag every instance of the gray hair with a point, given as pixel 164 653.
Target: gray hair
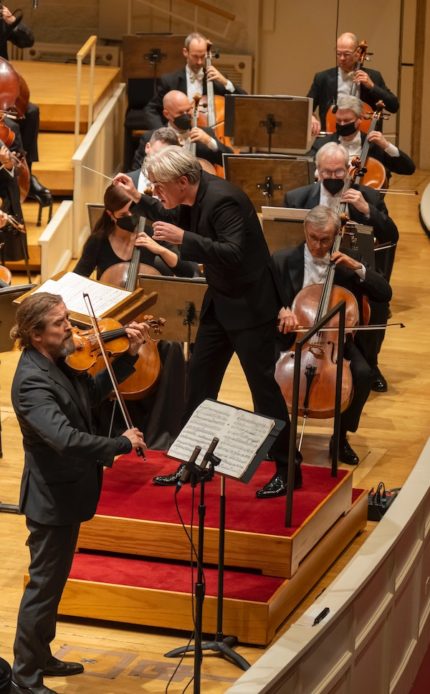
pixel 352 103
pixel 194 36
pixel 172 163
pixel 321 216
pixel 329 149
pixel 166 135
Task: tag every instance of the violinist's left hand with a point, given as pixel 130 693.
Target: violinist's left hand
pixel 355 198
pixel 163 231
pixel 213 74
pixel 138 334
pixel 361 77
pixel 339 258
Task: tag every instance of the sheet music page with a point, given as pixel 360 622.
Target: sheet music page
pixel 71 287
pixel 240 435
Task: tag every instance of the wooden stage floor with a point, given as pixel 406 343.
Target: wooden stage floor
pixel 394 427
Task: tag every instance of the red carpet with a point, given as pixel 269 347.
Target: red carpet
pixel 128 492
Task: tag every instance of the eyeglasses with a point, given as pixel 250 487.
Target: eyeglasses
pixel 344 54
pixel 330 173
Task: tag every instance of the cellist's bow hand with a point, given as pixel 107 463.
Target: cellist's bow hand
pixel 287 321
pixel 361 77
pixel 355 198
pixel 315 126
pixel 138 334
pixel 135 437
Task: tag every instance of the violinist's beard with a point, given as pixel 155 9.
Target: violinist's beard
pixel 68 347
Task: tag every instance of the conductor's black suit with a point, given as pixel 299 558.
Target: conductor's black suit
pixel 60 488
pixel 240 307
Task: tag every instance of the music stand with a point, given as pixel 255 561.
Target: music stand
pixel 283 227
pixel 265 178
pixel 179 302
pixel 280 122
pixel 7 320
pixel 144 54
pixel 219 423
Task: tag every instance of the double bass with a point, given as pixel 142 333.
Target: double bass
pixel 373 172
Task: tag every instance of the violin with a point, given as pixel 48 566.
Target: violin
pixel 87 356
pixel 318 371
pixel 355 91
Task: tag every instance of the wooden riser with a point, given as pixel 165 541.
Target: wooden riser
pixel 273 555
pixel 55 168
pixel 251 622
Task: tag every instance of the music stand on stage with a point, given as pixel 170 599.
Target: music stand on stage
pixel 265 178
pixel 179 302
pixel 242 440
pixel 144 54
pixel 280 122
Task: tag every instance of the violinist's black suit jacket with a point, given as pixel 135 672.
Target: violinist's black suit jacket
pixel 60 487
pixel 324 92
pixel 63 456
pixel 289 267
pixel 153 111
pixel 241 304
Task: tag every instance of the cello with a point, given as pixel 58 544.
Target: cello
pixel 319 356
pixel 355 91
pixel 373 172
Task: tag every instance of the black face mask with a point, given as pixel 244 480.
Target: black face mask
pixel 333 185
pixel 346 129
pixel 128 223
pixel 183 122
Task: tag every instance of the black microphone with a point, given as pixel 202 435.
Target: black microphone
pixel 186 472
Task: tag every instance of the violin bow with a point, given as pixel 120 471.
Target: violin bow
pixel 109 368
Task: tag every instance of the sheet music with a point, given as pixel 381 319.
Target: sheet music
pixel 71 287
pixel 240 435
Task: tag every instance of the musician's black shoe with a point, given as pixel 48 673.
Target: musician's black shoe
pixel 379 383
pixel 169 480
pixel 17 689
pixel 277 486
pixel 62 668
pixel 39 192
pixel 346 453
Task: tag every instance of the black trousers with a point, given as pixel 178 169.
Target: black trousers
pixel 361 379
pixel 28 129
pixel 255 348
pixel 51 551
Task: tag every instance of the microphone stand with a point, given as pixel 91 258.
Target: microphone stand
pixel 221 644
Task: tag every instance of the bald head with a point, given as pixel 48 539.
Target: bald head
pixel 176 103
pixel 347 53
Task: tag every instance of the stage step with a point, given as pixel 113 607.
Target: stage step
pixel 55 168
pixel 157 593
pixel 136 517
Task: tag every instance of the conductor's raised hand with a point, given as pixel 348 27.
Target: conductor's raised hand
pixel 163 231
pixel 138 334
pixel 135 437
pixel 123 181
